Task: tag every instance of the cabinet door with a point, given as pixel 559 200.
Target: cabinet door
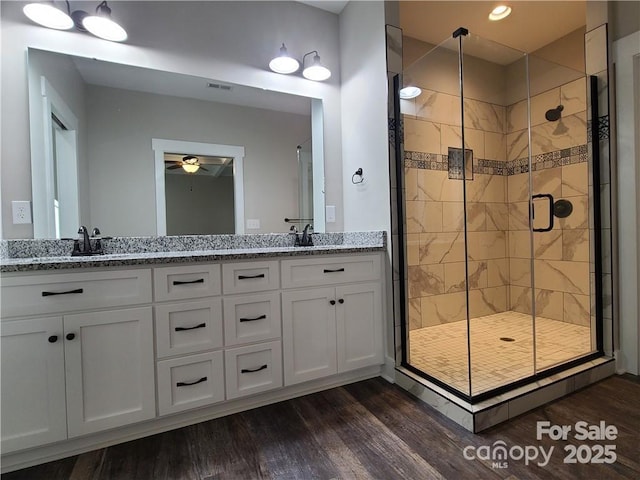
pixel 308 334
pixel 359 324
pixel 33 404
pixel 109 369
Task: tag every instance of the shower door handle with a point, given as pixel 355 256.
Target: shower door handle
pixel 533 211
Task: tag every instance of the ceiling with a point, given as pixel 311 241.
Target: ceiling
pixel 128 77
pixel 333 6
pixel 531 25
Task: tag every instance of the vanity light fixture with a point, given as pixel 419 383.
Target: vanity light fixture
pixel 48 15
pixel 283 63
pixel 500 12
pixel 286 64
pixel 99 24
pixel 316 71
pixel 409 92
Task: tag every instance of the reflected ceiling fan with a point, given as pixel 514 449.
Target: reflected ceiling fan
pixel 189 164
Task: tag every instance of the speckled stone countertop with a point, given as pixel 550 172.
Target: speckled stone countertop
pixel 33 255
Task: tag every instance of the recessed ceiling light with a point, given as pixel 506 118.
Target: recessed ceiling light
pixel 500 12
pixel 409 92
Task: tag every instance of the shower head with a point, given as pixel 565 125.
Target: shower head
pixel 554 114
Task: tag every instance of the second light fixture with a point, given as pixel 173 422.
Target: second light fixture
pixel 286 64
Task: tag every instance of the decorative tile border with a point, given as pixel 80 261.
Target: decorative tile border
pixel 558 158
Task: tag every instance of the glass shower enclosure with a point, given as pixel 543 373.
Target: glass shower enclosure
pixel 499 230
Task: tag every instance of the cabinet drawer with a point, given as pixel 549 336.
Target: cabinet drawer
pixel 253 369
pixel 329 271
pixel 68 292
pixel 250 277
pixel 188 327
pixel 251 318
pixel 189 281
pixel 190 382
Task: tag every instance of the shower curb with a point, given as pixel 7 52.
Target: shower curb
pixel 483 415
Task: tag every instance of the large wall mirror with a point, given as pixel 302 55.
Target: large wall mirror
pixel 141 152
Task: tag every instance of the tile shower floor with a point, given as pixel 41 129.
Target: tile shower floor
pixel 441 350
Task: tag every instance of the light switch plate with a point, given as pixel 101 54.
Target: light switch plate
pixel 330 214
pixel 253 223
pixel 21 211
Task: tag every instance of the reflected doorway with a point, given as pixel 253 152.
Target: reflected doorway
pixel 199 197
pixel 198 201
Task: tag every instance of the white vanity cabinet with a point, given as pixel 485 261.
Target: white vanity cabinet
pixel 189 337
pixel 33 385
pixel 79 372
pixel 109 369
pixel 196 361
pixel 85 352
pixel 331 329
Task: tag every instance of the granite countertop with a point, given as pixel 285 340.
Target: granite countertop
pixel 36 255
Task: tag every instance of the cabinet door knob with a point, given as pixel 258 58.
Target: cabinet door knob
pixel 53 339
pixel 341 300
pixel 332 302
pixel 71 336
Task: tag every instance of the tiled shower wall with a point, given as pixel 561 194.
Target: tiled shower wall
pixel 434 210
pixel 559 168
pixel 497 208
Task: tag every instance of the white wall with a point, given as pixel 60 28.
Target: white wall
pixel 227 41
pixel 122 124
pixel 364 116
pixel 199 204
pixel 63 76
pixel 626 53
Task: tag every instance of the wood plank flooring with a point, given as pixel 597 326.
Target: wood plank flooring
pixel 369 429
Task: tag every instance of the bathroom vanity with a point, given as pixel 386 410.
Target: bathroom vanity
pixel 100 350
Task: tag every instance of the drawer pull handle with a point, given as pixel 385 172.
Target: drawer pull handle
pixel 50 294
pixel 245 277
pixel 251 370
pixel 332 302
pixel 341 300
pixel 53 339
pixel 71 336
pixel 182 329
pixel 328 270
pixel 188 282
pixel 261 317
pixel 188 384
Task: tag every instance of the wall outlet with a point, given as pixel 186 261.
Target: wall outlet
pixel 330 214
pixel 21 211
pixel 253 223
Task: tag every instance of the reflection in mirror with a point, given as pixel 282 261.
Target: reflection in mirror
pixel 198 194
pixel 305 183
pixel 93 128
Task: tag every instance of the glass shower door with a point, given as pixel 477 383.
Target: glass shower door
pixel 437 340
pixel 560 213
pixel 499 241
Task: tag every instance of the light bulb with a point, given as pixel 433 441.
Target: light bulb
pixel 190 168
pixel 47 15
pixel 500 12
pixel 316 71
pixel 409 92
pixel 104 28
pixel 283 63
